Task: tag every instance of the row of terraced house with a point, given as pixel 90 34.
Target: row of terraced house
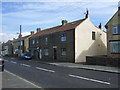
pixel 70 41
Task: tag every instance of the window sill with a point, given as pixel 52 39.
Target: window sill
pixel 115 53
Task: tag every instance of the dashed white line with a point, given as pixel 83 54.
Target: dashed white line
pixel 1 59
pixel 44 69
pixel 13 62
pixel 103 82
pixel 23 79
pixel 12 58
pixel 6 60
pixel 25 65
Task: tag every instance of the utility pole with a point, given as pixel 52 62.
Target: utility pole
pixel 20 36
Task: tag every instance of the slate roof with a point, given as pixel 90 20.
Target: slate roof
pixel 68 26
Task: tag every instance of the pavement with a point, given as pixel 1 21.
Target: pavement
pixel 109 69
pixel 10 80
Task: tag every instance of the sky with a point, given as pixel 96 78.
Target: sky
pixel 46 14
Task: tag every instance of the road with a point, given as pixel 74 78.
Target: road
pixel 51 76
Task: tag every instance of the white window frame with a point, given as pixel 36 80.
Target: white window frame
pixel 63 52
pixel 46 53
pixel 46 40
pixel 63 37
pixel 115 30
pixel 115 46
pixel 33 41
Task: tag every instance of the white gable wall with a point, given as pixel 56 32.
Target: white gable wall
pixel 84 45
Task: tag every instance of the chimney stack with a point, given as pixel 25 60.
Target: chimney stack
pixel 38 29
pixel 32 32
pixel 100 26
pixel 87 14
pixel 64 22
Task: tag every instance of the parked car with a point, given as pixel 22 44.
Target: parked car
pixel 26 56
pixel 1 65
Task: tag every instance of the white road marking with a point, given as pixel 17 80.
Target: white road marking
pixel 12 58
pixel 0 65
pixel 1 59
pixel 23 79
pixel 89 79
pixel 44 69
pixel 25 65
pixel 13 62
pixel 6 60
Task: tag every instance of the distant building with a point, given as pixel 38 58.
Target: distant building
pixel 22 44
pixel 113 35
pixel 70 42
pixel 7 48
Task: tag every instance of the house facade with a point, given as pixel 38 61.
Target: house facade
pixel 113 35
pixel 21 44
pixel 70 42
pixel 7 48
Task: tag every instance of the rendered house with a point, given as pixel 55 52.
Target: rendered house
pixel 24 44
pixel 70 42
pixel 7 48
pixel 113 35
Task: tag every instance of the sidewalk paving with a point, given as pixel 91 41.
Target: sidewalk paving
pixel 10 80
pixel 83 66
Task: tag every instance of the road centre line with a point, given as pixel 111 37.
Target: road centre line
pixel 25 65
pixel 103 82
pixel 13 62
pixel 6 60
pixel 23 79
pixel 1 59
pixel 44 69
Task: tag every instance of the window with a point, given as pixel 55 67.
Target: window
pixel 93 35
pixel 37 41
pixel 115 47
pixel 46 53
pixel 46 40
pixel 33 42
pixel 63 37
pixel 63 51
pixel 116 29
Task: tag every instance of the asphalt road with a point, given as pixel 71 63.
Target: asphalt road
pixel 50 76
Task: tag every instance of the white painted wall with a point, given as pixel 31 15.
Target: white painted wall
pixel 84 45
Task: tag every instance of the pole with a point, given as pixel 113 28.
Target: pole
pixel 20 38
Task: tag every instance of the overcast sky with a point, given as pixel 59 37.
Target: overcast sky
pixel 46 14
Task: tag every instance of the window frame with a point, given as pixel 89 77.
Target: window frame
pixel 113 48
pixel 46 51
pixel 63 37
pixel 63 52
pixel 115 30
pixel 93 35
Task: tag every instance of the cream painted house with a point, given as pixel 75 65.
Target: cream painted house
pixel 89 40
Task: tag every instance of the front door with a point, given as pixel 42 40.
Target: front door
pixel 55 53
pixel 40 54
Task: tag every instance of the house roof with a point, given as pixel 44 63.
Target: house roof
pixel 110 19
pixel 59 28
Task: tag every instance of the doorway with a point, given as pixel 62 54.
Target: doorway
pixel 55 53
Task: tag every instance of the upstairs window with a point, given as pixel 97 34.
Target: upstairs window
pixel 63 37
pixel 116 29
pixel 46 53
pixel 63 51
pixel 33 41
pixel 93 35
pixel 46 40
pixel 37 41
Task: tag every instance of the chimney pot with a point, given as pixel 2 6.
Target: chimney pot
pixel 100 26
pixel 38 29
pixel 64 22
pixel 32 32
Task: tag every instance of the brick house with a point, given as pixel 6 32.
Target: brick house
pixel 113 35
pixel 70 42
